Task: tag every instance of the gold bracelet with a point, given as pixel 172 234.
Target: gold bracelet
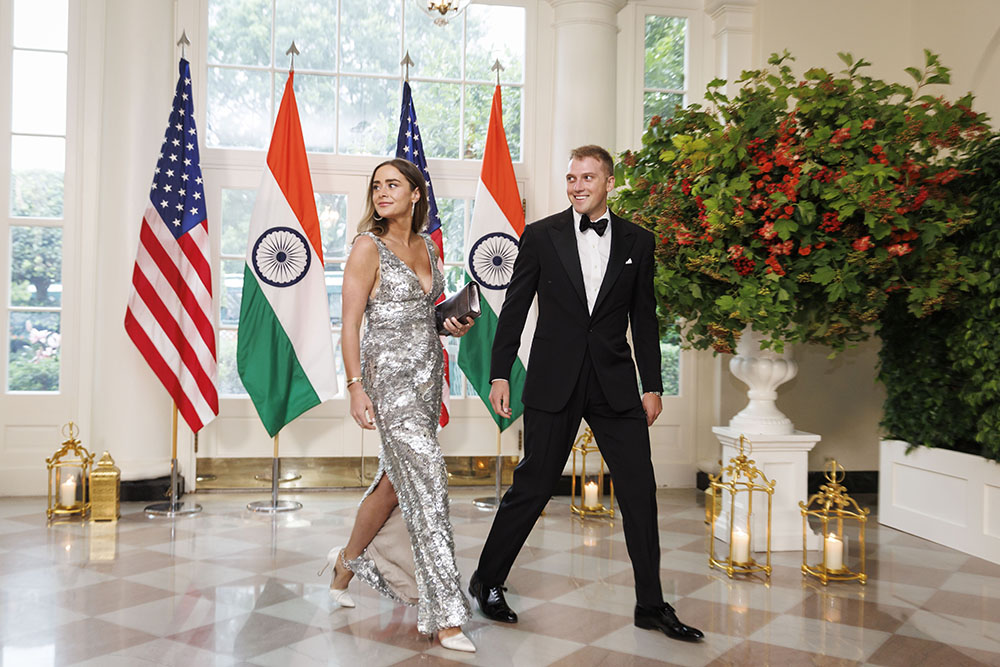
pixel 351 381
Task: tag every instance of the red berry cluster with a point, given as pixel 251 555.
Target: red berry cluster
pixel 831 222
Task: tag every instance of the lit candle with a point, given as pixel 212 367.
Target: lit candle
pixel 590 494
pixel 741 546
pixel 834 556
pixel 67 492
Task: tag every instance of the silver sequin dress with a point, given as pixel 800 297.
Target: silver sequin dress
pixel 402 372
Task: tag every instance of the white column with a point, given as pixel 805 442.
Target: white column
pixel 584 86
pixel 733 34
pixel 130 408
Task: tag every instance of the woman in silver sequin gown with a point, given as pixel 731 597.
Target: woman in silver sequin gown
pixel 395 377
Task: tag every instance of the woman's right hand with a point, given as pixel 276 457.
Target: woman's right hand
pixel 362 410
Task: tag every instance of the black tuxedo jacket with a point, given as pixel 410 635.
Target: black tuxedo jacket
pixel 548 264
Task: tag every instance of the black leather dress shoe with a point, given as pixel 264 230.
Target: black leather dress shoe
pixel 491 601
pixel 664 619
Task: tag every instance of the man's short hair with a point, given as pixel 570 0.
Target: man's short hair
pixel 597 153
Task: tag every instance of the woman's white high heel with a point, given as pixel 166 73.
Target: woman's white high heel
pixel 458 642
pixel 338 595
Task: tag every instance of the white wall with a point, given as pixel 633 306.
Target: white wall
pixel 130 410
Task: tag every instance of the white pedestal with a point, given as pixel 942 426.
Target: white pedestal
pixel 784 459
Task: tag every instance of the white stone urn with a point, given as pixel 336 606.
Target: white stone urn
pixel 763 371
pixel 779 450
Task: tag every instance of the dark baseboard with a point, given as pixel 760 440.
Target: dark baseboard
pixel 153 490
pixel 856 481
pixel 701 480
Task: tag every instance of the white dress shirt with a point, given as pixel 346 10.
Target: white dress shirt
pixel 594 253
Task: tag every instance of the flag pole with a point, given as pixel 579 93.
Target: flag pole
pixel 290 477
pixel 493 503
pixel 406 62
pixel 274 505
pixel 362 475
pixel 183 42
pixel 172 508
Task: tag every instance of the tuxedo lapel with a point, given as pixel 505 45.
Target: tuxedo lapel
pixel 564 240
pixel 622 240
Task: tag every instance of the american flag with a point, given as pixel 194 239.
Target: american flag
pixel 409 147
pixel 169 311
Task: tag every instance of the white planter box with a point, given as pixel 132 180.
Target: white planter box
pixel 943 496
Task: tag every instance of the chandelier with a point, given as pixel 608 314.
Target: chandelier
pixel 443 10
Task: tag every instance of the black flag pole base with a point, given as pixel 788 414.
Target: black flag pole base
pixel 172 508
pixel 273 506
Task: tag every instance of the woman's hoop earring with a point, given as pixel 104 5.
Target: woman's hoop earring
pixel 377 218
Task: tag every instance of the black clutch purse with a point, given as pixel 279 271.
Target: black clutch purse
pixel 464 304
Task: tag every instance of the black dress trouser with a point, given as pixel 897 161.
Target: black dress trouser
pixel 623 439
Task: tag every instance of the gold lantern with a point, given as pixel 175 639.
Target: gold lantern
pixel 69 477
pixel 735 487
pixel 590 480
pixel 105 490
pixel 832 505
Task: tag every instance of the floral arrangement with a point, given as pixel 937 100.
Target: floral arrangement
pixel 798 207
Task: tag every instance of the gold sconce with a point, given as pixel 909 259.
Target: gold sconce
pixel 590 480
pixel 105 490
pixel 69 477
pixel 833 505
pixel 734 489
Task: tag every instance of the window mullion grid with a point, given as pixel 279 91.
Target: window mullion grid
pixel 34 309
pixel 35 49
pixel 274 65
pixel 461 98
pixel 674 91
pixel 339 67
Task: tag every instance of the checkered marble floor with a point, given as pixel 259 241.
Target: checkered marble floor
pixel 230 587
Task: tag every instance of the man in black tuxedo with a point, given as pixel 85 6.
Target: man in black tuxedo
pixel 593 275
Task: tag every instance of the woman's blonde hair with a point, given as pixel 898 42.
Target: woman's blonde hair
pixel 370 222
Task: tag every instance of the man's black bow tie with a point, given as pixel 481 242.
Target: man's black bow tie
pixel 598 225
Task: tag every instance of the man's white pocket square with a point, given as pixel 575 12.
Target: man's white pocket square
pixel 628 261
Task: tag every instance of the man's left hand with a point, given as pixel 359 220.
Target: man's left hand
pixel 652 406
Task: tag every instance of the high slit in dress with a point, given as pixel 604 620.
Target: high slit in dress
pixel 412 558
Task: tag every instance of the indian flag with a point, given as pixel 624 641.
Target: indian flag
pixel 284 350
pixel 494 235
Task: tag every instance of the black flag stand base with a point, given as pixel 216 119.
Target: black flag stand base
pixel 491 504
pixel 172 508
pixel 273 506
